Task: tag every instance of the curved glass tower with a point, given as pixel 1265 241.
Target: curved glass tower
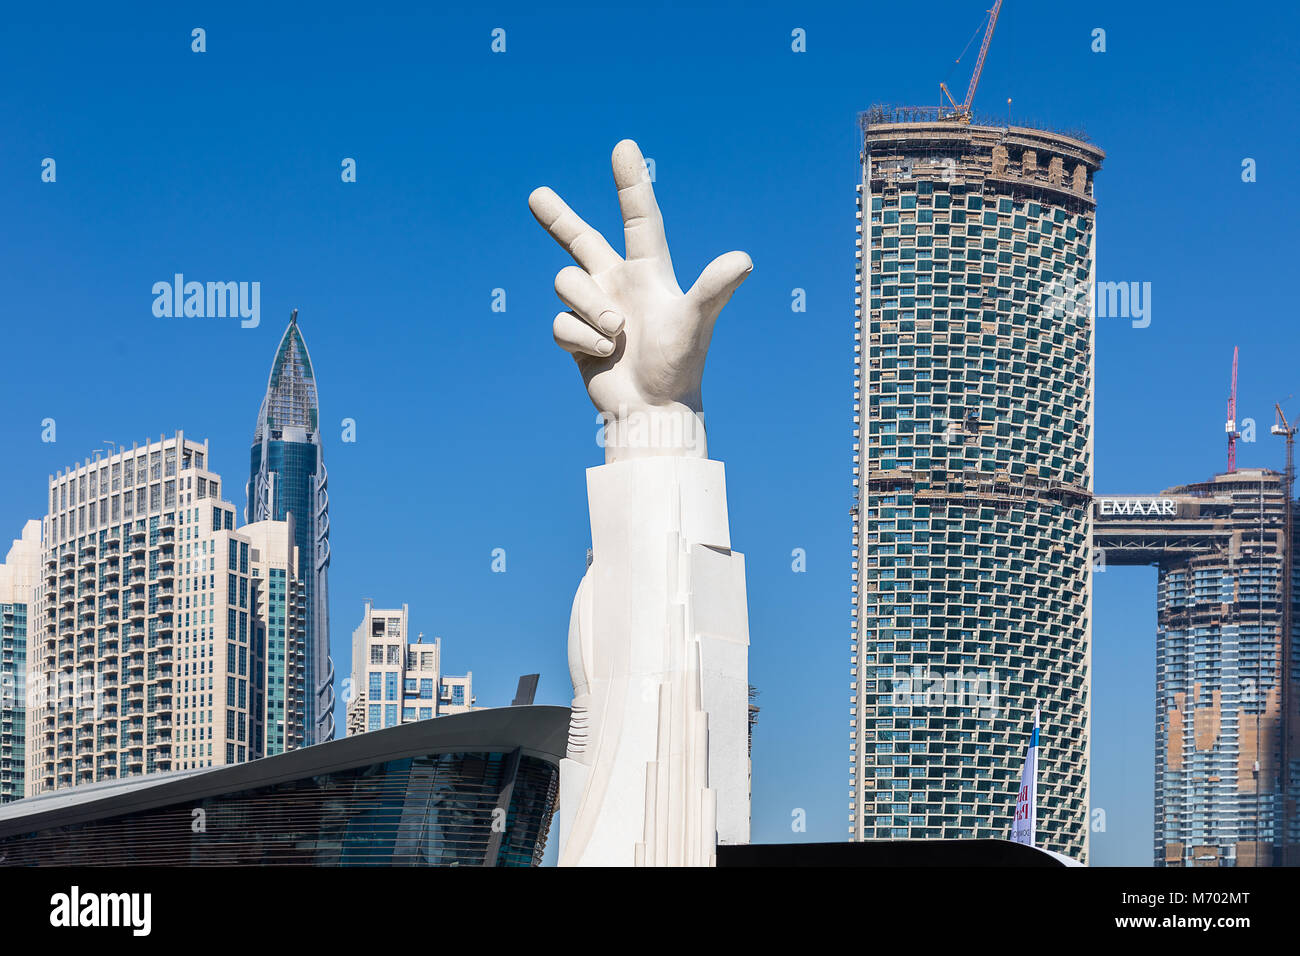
pixel 972 475
pixel 287 476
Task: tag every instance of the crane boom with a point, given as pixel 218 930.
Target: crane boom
pixel 979 64
pixel 962 110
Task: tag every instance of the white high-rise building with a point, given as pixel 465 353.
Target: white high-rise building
pixel 395 681
pixel 158 639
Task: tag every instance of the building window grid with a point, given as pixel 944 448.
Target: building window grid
pixel 927 357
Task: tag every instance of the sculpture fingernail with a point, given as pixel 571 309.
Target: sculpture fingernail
pixel 605 347
pixel 611 323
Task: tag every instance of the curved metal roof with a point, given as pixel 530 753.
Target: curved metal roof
pixel 537 730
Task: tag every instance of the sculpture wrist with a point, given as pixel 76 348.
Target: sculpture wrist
pixel 673 430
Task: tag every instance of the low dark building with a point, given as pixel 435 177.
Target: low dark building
pixel 474 789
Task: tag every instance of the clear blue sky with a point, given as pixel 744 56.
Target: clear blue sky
pixel 473 429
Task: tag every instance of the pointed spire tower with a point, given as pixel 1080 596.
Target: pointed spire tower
pixel 288 476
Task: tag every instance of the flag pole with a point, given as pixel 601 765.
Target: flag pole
pixel 1033 801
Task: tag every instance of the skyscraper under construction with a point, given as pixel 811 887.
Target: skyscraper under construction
pixel 973 476
pixel 1225 754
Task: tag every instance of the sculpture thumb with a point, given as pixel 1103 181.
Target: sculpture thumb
pixel 720 279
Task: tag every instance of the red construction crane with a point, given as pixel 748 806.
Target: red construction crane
pixel 962 111
pixel 1231 426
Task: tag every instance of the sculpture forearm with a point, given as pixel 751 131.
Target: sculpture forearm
pixel 657 770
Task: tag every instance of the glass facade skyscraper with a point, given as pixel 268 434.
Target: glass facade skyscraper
pixel 18 583
pixel 288 477
pixel 972 474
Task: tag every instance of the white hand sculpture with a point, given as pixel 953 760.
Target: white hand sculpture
pixel 639 341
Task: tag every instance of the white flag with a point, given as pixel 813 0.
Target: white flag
pixel 1022 827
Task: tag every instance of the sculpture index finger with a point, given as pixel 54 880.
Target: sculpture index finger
pixel 587 246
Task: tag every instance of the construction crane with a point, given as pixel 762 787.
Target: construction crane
pixel 962 111
pixel 1284 855
pixel 1287 430
pixel 1231 426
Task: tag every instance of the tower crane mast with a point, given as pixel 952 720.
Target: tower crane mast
pixel 1231 426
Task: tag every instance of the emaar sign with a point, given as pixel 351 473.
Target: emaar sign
pixel 1140 507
